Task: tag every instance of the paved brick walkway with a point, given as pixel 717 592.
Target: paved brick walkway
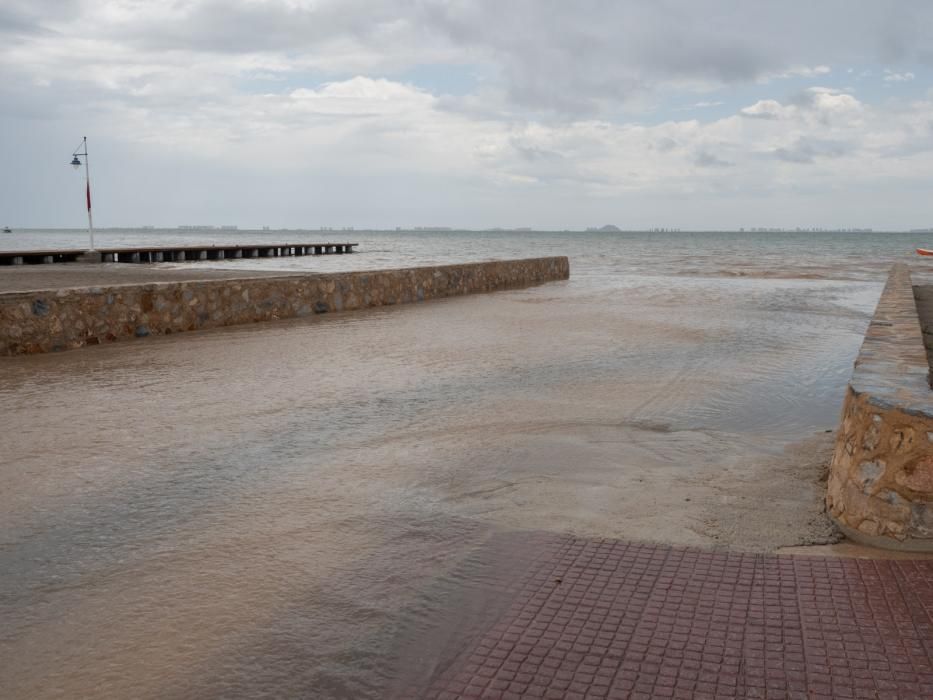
pixel 608 619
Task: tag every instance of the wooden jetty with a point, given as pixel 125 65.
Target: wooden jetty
pixel 188 253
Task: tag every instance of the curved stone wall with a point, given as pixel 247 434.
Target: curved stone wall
pixel 880 488
pixel 33 322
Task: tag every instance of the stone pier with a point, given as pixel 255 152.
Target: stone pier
pixel 880 489
pixel 61 319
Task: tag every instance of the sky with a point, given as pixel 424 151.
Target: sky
pixel 695 114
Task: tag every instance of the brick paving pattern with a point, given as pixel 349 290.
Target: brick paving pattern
pixel 609 619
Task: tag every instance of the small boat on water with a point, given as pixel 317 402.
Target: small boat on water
pixel 924 251
pixel 7 229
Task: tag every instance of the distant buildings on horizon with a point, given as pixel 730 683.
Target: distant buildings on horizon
pixel 812 229
pixel 608 228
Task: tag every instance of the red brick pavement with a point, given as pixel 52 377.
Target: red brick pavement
pixel 608 619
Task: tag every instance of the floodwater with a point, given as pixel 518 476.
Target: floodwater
pixel 317 508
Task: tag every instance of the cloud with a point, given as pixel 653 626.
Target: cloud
pixel 360 97
pixel 381 126
pixel 584 59
pixel 823 101
pixel 763 109
pixel 801 72
pixel 702 104
pixel 26 18
pixel 807 151
pixel 892 77
pixel 564 102
pixel 705 159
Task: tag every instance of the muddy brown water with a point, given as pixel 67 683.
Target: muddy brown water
pixel 323 508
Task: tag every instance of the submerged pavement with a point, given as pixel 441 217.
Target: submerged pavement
pixel 612 619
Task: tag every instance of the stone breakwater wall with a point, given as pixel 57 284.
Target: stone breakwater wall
pixel 34 322
pixel 880 488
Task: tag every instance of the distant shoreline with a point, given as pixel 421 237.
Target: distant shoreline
pixel 185 230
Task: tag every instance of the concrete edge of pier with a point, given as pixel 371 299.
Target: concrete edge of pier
pixel 72 317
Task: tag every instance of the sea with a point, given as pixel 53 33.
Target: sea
pixel 324 507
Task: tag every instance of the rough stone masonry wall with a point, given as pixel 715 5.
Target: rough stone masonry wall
pixel 880 488
pixel 33 322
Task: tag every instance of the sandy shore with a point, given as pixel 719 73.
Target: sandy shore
pixel 629 482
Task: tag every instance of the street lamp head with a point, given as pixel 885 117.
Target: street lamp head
pixel 75 163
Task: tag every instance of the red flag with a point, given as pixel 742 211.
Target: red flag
pixel 89 196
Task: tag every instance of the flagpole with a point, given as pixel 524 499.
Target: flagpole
pixel 87 177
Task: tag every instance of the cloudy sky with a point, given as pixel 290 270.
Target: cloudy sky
pixel 469 113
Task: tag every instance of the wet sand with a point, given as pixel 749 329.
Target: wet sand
pixel 638 482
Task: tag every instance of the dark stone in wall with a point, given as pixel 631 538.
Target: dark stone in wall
pixel 40 307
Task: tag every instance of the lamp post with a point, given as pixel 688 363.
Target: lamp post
pixel 81 150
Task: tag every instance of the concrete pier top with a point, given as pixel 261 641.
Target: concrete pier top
pixel 30 278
